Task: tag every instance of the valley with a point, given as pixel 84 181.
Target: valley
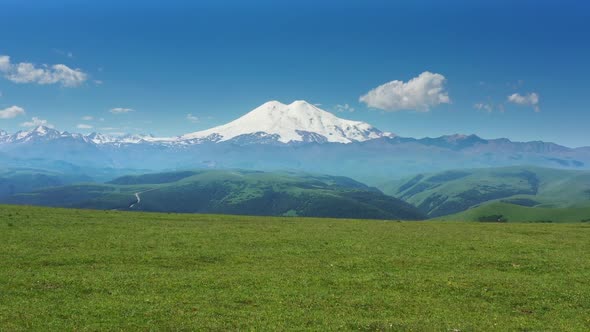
pixel 229 192
pixel 506 194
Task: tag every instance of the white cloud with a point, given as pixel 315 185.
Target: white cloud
pixel 25 72
pixel 11 112
pixel 484 107
pixel 119 110
pixel 530 99
pixel 88 118
pixel 420 94
pixel 344 108
pixel 35 122
pixel 192 118
pixel 84 126
pixel 4 63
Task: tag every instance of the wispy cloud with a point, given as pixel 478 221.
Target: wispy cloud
pixel 530 99
pixel 484 107
pixel 35 122
pixel 84 126
pixel 88 118
pixel 26 72
pixel 11 112
pixel 420 94
pixel 64 53
pixel 120 110
pixel 192 118
pixel 344 108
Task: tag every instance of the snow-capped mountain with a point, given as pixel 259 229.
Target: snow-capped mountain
pixel 272 122
pixel 40 133
pixel 43 134
pixel 281 124
pixel 280 136
pixel 299 121
pixel 98 138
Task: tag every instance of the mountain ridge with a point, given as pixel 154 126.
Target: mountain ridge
pixel 354 149
pixel 277 123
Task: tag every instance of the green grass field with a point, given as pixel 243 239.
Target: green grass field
pixel 104 270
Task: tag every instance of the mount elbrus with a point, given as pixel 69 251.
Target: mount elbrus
pixel 297 136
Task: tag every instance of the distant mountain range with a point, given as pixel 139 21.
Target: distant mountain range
pixel 298 136
pixel 272 122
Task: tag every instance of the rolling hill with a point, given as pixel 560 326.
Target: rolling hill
pixel 20 180
pixel 229 192
pixel 500 211
pixel 513 193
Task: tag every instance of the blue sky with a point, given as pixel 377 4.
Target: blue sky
pixel 217 60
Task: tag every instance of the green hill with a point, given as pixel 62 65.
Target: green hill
pixel 505 212
pixel 20 180
pixel 81 270
pixel 523 189
pixel 229 192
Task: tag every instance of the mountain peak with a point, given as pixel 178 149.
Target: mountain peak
pixel 301 103
pixel 41 130
pixel 299 121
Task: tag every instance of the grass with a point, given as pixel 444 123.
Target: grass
pixel 105 270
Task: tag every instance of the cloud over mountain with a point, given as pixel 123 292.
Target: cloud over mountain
pixel 26 72
pixel 11 112
pixel 420 94
pixel 36 122
pixel 530 99
pixel 192 118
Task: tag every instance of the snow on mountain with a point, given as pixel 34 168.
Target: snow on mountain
pixel 273 121
pixel 37 133
pixel 136 139
pixel 98 138
pixel 43 133
pixel 299 121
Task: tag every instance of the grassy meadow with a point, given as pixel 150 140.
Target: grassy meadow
pixel 64 269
